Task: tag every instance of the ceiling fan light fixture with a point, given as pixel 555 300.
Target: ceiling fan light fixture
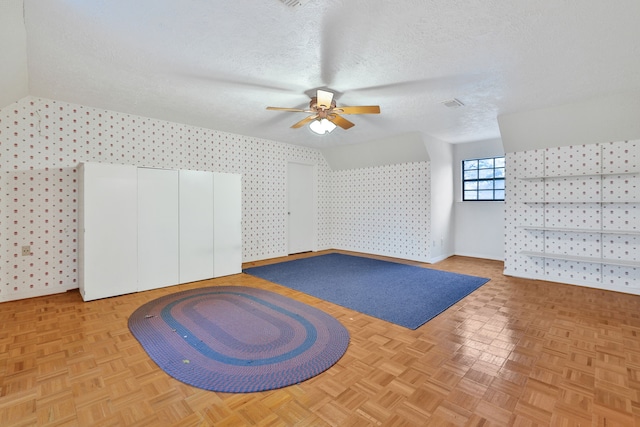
pixel 328 125
pixel 321 126
pixel 324 116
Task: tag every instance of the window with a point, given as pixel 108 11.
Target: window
pixel 483 179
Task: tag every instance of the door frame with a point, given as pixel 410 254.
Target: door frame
pixel 314 197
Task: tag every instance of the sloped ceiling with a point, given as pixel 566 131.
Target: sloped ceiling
pixel 218 64
pixel 14 84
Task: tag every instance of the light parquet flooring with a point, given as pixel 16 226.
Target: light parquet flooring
pixel 513 353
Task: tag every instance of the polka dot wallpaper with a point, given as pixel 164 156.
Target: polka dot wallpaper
pixel 588 199
pixel 384 210
pixel 42 141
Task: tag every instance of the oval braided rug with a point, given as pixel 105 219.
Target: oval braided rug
pixel 238 339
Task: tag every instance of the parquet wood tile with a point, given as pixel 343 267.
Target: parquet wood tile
pixel 515 352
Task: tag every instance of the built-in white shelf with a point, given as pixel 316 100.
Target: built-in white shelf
pixel 593 175
pixel 582 230
pixel 592 260
pixel 579 202
pixel 582 206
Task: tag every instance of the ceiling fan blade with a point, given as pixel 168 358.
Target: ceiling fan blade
pixel 304 121
pixel 323 99
pixel 340 121
pixel 362 109
pixel 295 110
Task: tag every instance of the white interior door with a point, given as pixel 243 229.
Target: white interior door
pixel 157 228
pixel 227 224
pixel 196 225
pixel 301 211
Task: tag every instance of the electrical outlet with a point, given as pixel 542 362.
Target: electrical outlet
pixel 26 250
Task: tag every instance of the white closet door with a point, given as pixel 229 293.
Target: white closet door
pixel 196 225
pixel 108 230
pixel 158 255
pixel 227 220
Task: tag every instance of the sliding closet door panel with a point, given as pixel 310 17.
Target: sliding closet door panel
pixel 158 257
pixel 196 225
pixel 227 219
pixel 108 230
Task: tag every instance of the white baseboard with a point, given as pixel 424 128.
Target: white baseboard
pixel 390 255
pixel 483 256
pixel 32 294
pixel 439 258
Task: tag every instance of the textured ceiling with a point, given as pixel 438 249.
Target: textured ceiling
pixel 218 64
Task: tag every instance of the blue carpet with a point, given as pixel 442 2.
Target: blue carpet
pixel 238 339
pixel 403 294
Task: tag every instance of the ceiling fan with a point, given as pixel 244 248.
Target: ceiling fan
pixel 323 107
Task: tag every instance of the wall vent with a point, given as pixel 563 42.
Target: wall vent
pixel 452 103
pixel 295 3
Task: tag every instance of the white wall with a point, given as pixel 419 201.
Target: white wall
pixel 478 226
pixel 402 148
pixel 43 140
pixel 605 253
pixel 441 154
pixel 13 45
pixel 567 131
pixel 606 119
pixel 383 210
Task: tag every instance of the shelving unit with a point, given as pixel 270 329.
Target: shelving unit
pixel 582 230
pixel 574 215
pixel 592 260
pixel 576 202
pixel 600 231
pixel 591 175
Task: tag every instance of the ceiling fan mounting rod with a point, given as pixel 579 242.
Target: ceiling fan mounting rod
pixel 322 111
pixel 315 106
